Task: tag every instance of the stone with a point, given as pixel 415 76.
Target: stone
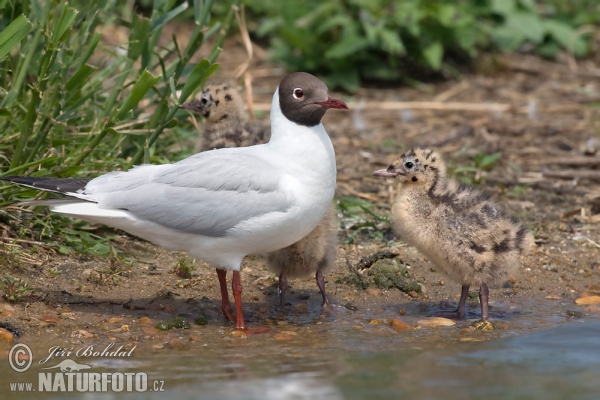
pixel 588 300
pixel 239 334
pixel 150 330
pixel 399 326
pixel 434 322
pixel 81 333
pixel 6 335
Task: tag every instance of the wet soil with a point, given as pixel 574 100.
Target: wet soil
pixel 541 116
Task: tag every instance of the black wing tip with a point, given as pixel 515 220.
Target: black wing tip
pixel 60 185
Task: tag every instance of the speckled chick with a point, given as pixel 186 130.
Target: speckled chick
pixel 472 239
pixel 227 126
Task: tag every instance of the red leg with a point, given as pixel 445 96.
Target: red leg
pixel 237 296
pixel 240 324
pixel 225 304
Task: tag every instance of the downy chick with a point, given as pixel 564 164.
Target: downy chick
pixel 465 233
pixel 227 126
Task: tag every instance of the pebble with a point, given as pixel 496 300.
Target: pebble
pixel 239 334
pixel 588 300
pixel 413 294
pixel 50 319
pixel 290 333
pixel 6 335
pixel 178 344
pixel 145 321
pixel 376 322
pixel 399 326
pixel 80 333
pixel 435 322
pixel 150 330
pixel 553 297
pixel 283 336
pixel 114 320
pixel 6 306
pixel 373 292
pixel 7 313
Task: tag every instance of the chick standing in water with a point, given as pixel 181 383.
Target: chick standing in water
pixel 469 236
pixel 226 126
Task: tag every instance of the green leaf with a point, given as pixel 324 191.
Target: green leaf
pixel 140 28
pixel 202 11
pixel 526 25
pixel 566 36
pixel 62 32
pixel 143 84
pixel 163 19
pixel 349 44
pixel 80 78
pixel 392 42
pixel 503 7
pixel 433 54
pixel 13 34
pixel 201 72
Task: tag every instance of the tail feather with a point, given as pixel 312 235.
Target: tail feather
pixel 57 185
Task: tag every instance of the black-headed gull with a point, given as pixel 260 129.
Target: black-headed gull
pixel 465 233
pixel 222 205
pixel 227 126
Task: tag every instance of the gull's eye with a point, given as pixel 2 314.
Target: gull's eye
pixel 408 165
pixel 298 93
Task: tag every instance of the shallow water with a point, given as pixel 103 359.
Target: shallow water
pixel 538 352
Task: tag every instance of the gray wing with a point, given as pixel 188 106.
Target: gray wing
pixel 207 194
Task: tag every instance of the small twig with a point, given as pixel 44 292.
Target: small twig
pixel 240 16
pixel 573 174
pixel 356 193
pixel 453 91
pixel 249 97
pixel 580 236
pixel 581 161
pixel 22 241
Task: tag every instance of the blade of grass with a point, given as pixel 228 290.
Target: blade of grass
pixel 13 34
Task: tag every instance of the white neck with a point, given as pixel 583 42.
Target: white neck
pixel 309 147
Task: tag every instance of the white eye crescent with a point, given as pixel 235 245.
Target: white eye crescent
pixel 298 93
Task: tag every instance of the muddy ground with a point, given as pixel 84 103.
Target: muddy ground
pixel 542 116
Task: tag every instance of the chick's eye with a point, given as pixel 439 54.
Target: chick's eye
pixel 298 93
pixel 408 165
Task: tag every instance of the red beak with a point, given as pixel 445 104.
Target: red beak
pixel 332 103
pixel 385 173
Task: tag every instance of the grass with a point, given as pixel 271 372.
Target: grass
pixel 74 106
pixel 361 217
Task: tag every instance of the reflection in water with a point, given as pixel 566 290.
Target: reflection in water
pixel 349 358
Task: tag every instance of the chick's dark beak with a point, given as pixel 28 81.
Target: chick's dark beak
pixel 386 173
pixel 193 105
pixel 332 103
